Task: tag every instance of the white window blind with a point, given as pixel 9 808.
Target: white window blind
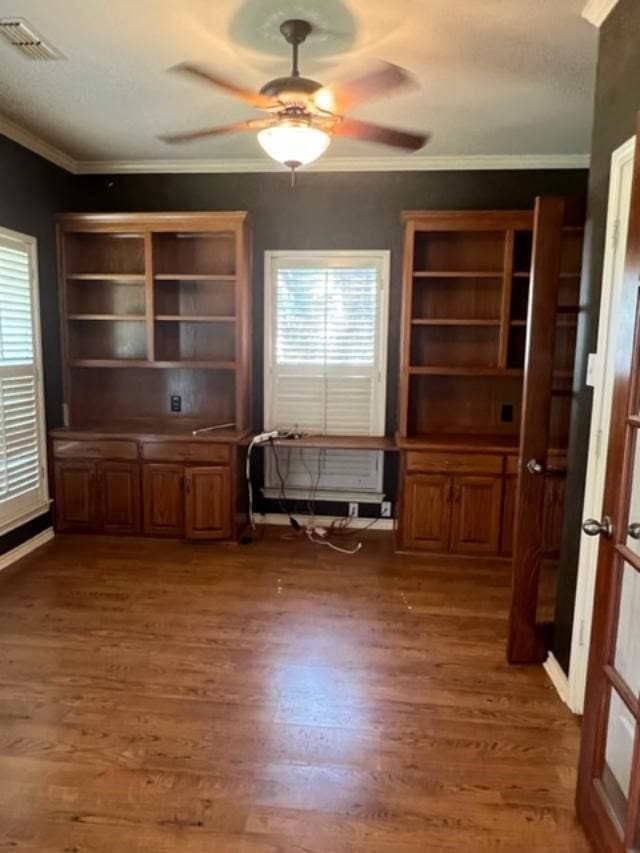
pixel 325 361
pixel 23 487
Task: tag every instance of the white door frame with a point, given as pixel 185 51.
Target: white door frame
pixel 601 376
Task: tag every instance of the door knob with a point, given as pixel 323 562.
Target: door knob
pixel 593 527
pixel 633 530
pixel 534 467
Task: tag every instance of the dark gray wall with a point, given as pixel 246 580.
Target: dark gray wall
pixel 32 191
pixel 327 211
pixel 617 103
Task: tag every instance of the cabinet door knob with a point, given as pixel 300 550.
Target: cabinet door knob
pixel 534 467
pixel 593 527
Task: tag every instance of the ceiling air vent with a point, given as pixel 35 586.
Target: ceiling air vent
pixel 22 36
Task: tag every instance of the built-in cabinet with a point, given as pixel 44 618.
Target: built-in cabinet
pixel 467 283
pixel 155 312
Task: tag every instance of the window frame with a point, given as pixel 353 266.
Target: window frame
pixel 41 501
pixel 306 258
pixel 382 258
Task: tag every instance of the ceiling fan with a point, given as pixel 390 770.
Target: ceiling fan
pixel 303 115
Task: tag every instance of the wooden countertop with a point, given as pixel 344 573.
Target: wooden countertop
pixel 145 432
pixel 338 442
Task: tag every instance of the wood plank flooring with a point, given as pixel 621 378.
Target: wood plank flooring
pixel 274 698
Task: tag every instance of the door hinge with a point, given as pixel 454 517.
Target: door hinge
pixel 581 633
pixel 616 233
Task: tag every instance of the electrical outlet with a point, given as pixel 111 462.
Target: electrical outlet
pixel 385 509
pixel 506 413
pixel 176 403
pixel 353 510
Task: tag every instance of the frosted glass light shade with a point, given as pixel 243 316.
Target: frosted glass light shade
pixel 294 143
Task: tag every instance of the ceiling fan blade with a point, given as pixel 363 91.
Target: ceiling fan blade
pixel 383 78
pixel 238 127
pixel 249 96
pixel 355 129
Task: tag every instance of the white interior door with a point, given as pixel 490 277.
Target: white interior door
pixel 602 378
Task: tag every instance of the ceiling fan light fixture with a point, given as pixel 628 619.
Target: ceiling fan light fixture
pixel 294 143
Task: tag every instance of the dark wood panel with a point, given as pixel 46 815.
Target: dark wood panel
pixel 174 451
pixel 163 499
pixel 426 513
pixel 94 449
pixel 482 463
pixel 75 496
pixel 208 503
pixel 477 505
pixel 119 495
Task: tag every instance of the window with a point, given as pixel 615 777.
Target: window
pixel 23 485
pixel 325 366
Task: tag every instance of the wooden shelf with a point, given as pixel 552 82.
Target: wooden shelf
pixel 192 277
pixel 338 442
pixel 109 362
pixel 121 278
pixel 194 318
pixel 454 321
pixel 131 362
pixel 472 370
pixel 518 323
pixel 522 275
pixel 456 274
pixel 206 364
pixel 490 442
pixel 139 318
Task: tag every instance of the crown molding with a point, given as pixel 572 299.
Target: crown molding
pixel 398 163
pixel 472 163
pixel 597 11
pixel 29 140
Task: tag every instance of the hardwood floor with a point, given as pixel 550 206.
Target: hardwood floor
pixel 157 696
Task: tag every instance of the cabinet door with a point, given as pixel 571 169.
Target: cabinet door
pixel 119 494
pixel 426 516
pixel 208 503
pixel 163 499
pixel 75 485
pixel 553 513
pixel 475 526
pixel 508 515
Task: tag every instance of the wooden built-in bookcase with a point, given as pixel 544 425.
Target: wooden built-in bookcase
pixel 155 312
pixel 464 327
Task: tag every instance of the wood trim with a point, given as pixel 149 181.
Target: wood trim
pixel 476 220
pixel 591 807
pixel 165 221
pixel 505 307
pixel 149 296
pixel 597 11
pixel 406 327
pixel 524 644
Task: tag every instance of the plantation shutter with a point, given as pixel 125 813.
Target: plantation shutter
pixel 22 481
pixel 326 363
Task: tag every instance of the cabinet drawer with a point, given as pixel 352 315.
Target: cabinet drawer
pixel 179 451
pixel 71 449
pixel 429 460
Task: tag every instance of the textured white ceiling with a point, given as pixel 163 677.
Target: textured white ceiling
pixel 497 77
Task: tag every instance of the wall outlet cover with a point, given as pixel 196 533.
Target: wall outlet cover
pixel 353 510
pixel 385 509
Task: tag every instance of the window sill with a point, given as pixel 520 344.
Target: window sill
pixel 25 517
pixel 325 495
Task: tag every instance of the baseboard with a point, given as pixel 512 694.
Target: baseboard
pixel 26 548
pixel 281 519
pixel 557 677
